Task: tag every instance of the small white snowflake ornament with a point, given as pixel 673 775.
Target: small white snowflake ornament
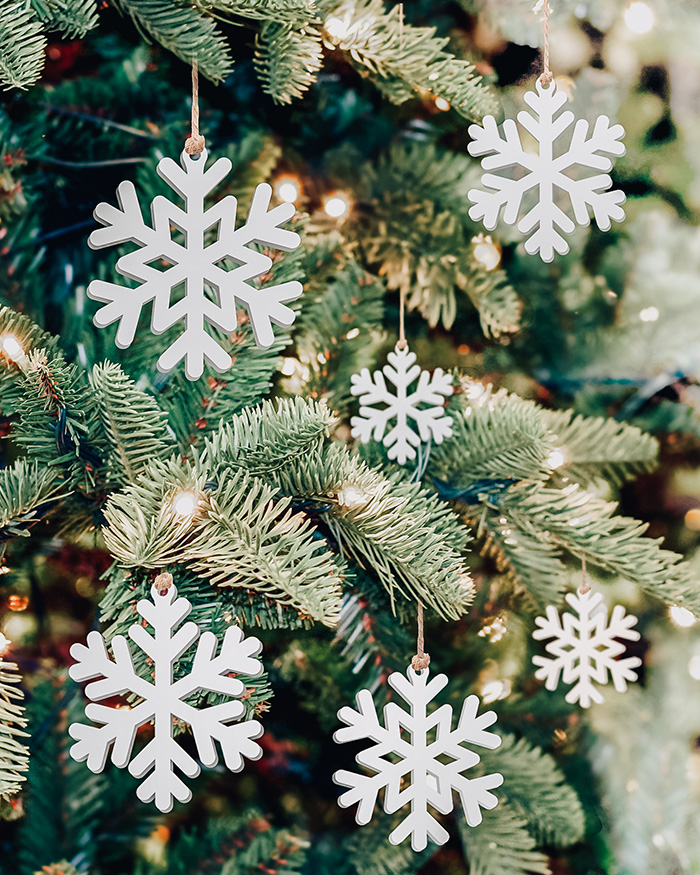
pixel 421 407
pixel 201 280
pixel 585 646
pixel 547 170
pixel 163 700
pixel 417 758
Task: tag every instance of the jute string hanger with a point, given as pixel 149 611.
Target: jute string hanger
pixel 422 659
pixel 546 76
pixel 194 144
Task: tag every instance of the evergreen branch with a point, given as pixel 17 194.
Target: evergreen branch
pixel 293 12
pixel 258 543
pixel 22 45
pixel 494 436
pixel 501 845
pixel 537 791
pixel 14 754
pixel 74 18
pixel 577 521
pixel 597 448
pixel 27 492
pixel 287 59
pixel 184 31
pixel 405 59
pixel 133 425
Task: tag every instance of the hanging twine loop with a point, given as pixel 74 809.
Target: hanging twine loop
pixel 194 144
pixel 402 343
pixel 422 659
pixel 585 585
pixel 163 582
pixel 546 76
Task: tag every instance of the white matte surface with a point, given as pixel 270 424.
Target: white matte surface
pixel 584 648
pixel 546 170
pixel 212 292
pixel 415 775
pixel 402 405
pixel 163 700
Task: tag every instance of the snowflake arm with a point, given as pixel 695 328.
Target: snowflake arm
pixel 422 407
pixel 163 700
pixel 585 647
pixel 412 773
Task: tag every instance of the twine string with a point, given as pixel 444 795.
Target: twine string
pixel 194 144
pixel 546 76
pixel 163 582
pixel 402 344
pixel 422 659
pixel 585 585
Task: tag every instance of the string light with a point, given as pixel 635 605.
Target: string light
pixel 336 29
pixel 692 519
pixel 4 644
pixel 288 189
pixel 494 630
pixel 185 504
pixel 442 104
pixel 12 348
pixel 486 252
pixel 639 18
pixel 17 602
pixel 336 205
pixel 694 668
pixel 494 690
pixel 649 314
pixel 682 617
pixel 351 496
pixel 555 459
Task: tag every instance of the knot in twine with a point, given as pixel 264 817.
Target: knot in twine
pixel 163 582
pixel 194 144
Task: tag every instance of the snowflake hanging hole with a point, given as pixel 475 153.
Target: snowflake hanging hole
pixel 423 407
pixel 163 700
pixel 547 171
pixel 585 647
pixel 178 265
pixel 417 758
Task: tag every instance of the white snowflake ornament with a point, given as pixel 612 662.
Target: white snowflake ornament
pixel 163 700
pixel 422 407
pixel 585 646
pixel 547 171
pixel 417 758
pixel 192 284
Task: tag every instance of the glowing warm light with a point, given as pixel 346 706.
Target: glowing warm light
pixel 353 333
pixel 351 496
pixel 12 348
pixel 442 104
pixel 494 630
pixel 682 617
pixel 486 252
pixel 185 504
pixel 336 205
pixel 639 18
pixel 555 459
pixel 649 314
pixel 494 690
pixel 17 602
pixel 4 644
pixel 692 519
pixel 336 29
pixel 474 390
pixel 288 189
pixel 694 668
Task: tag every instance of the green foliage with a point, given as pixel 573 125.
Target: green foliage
pixel 27 493
pixel 74 18
pixel 133 425
pixel 287 59
pixel 501 844
pixel 14 754
pixel 536 791
pixel 22 44
pixel 185 32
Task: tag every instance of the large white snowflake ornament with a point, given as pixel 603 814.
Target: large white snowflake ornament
pixel 163 700
pixel 187 280
pixel 417 758
pixel 423 405
pixel 585 647
pixel 548 171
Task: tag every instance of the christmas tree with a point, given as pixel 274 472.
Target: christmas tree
pixel 243 462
